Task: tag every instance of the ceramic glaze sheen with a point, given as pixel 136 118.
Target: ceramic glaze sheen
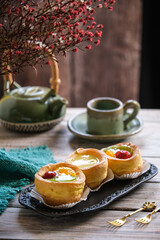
pixel 31 104
pixel 107 115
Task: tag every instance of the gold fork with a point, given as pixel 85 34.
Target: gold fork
pixel 119 222
pixel 147 218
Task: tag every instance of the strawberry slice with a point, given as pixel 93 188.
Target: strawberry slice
pixel 50 174
pixel 122 154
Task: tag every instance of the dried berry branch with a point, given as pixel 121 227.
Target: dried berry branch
pixel 28 29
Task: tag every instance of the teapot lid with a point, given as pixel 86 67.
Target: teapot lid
pixel 31 92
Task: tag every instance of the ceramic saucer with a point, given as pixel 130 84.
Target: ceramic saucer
pixel 78 126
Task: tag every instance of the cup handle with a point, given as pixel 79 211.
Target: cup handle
pixel 133 105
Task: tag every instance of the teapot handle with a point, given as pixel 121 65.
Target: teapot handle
pixel 54 80
pixel 8 81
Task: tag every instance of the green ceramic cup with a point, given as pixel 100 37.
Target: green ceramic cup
pixel 108 115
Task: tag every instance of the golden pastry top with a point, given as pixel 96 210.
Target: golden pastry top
pixel 122 151
pixel 124 158
pixel 64 185
pixel 60 173
pixel 86 158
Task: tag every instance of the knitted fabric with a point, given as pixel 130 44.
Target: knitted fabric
pixel 18 167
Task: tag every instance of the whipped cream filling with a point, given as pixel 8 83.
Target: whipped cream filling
pixel 84 161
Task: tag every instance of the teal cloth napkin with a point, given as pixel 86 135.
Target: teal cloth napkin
pixel 18 167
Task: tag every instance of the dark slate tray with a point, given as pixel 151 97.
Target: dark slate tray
pixel 96 200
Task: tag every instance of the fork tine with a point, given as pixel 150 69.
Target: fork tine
pixel 143 220
pixel 139 220
pixel 116 223
pixel 121 221
pixel 120 224
pixel 147 219
pixel 113 223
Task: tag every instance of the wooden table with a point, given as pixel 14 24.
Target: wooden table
pixel 18 222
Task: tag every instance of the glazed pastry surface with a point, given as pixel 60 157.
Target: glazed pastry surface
pixel 84 160
pixel 124 158
pixel 60 183
pixel 93 163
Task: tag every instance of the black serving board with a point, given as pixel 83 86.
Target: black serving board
pixel 96 200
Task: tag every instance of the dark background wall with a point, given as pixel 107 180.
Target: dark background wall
pixel 150 69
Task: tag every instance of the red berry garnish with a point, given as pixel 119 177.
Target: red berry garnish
pixel 122 154
pixel 49 174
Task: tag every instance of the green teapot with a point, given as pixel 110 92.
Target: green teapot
pixel 32 104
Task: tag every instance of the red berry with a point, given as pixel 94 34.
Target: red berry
pixel 122 154
pixel 49 174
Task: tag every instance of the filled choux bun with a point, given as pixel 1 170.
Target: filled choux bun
pixel 93 163
pixel 124 158
pixel 60 183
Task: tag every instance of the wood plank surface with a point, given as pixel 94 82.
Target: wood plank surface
pixel 149 147
pixel 18 222
pixel 24 224
pixel 110 68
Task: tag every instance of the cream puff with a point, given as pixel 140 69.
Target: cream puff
pixel 124 158
pixel 93 163
pixel 60 183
